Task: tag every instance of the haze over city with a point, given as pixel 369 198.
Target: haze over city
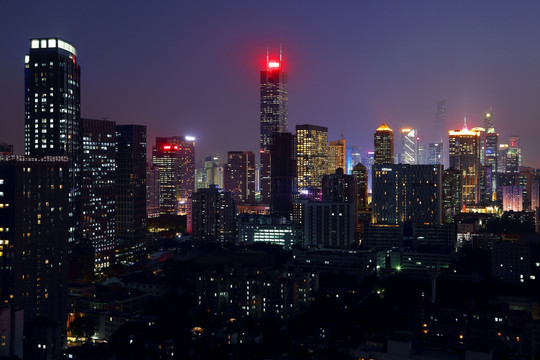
pixel 191 68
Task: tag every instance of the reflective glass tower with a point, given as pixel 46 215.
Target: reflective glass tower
pixel 273 115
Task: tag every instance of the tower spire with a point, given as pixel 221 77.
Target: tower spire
pixel 280 53
pixel 267 57
pixel 465 123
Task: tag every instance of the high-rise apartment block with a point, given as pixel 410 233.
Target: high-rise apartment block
pixel 329 224
pixel 213 215
pixel 175 159
pixel 239 176
pixel 383 142
pixel 98 189
pixel 273 115
pixel 34 231
pixel 403 192
pixel 311 156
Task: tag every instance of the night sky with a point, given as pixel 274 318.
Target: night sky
pixel 192 67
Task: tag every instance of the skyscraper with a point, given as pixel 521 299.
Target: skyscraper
pixel 354 156
pixel 435 154
pixel 283 175
pixel 152 191
pixel 214 214
pixel 34 231
pixel 491 149
pixel 464 155
pixel 130 190
pixel 403 192
pixel 337 155
pixel 311 156
pixel 409 146
pixel 98 189
pixel 175 159
pixel 383 142
pixel 52 111
pixel 273 115
pixel 440 126
pixel 239 176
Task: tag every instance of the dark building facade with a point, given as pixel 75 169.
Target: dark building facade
pixel 239 176
pixel 274 114
pixel 34 231
pixel 403 192
pixel 98 189
pixel 283 175
pixel 52 111
pixel 130 190
pixel 213 215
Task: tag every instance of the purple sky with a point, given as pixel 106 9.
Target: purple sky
pixel 192 67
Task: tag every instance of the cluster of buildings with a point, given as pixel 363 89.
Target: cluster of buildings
pixel 84 187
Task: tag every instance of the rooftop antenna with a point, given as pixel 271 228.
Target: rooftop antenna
pixel 465 123
pixel 266 52
pixel 280 53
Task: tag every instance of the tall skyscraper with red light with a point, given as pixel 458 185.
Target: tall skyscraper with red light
pixel 273 115
pixel 175 159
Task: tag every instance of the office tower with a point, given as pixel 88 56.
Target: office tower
pixel 52 111
pixel 451 193
pixel 491 148
pixel 329 224
pixel 464 155
pixel 369 161
pixel 239 176
pixel 273 115
pixel 486 184
pixel 403 192
pixel 152 191
pixel 98 189
pixel 336 155
pixel 535 192
pixel 175 159
pixel 422 152
pixel 213 215
pixel 513 154
pixel 482 142
pixel 6 149
pixel 502 157
pixel 354 156
pixel 130 191
pixel 213 171
pixel 440 126
pixel 360 175
pixel 435 154
pixel 311 157
pixel 384 145
pixel 409 146
pixel 283 175
pixel 338 187
pixel 34 228
pixel 512 198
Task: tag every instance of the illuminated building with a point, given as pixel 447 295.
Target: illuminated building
pixel 403 192
pixel 213 215
pixel 273 115
pixel 175 159
pixel 501 162
pixel 369 161
pixel 34 232
pixel 98 189
pixel 435 154
pixel 152 191
pixel 213 171
pixel 491 149
pixel 409 146
pixel 383 142
pixel 52 111
pixel 512 198
pixel 311 156
pixel 283 175
pixel 354 156
pixel 239 176
pixel 336 155
pixel 329 224
pixel 464 155
pixel 513 155
pixel 130 191
pixel 267 229
pixel 482 140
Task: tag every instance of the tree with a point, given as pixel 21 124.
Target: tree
pixel 82 327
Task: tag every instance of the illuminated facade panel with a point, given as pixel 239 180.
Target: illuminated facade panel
pixel 311 156
pixel 337 155
pixel 464 155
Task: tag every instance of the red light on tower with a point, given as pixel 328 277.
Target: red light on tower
pixel 273 65
pixel 166 147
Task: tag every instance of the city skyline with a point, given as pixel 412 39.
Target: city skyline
pixel 475 56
